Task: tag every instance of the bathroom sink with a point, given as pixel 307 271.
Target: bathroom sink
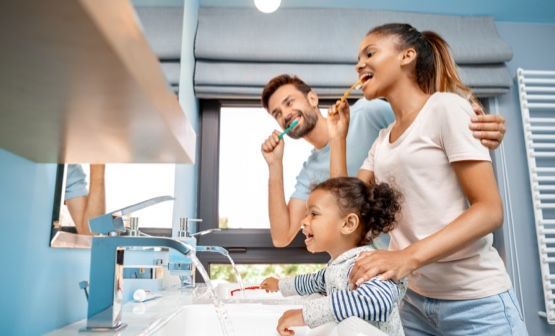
pixel 254 319
pixel 246 319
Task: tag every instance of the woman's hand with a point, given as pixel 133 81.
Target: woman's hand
pixel 338 120
pixel 291 318
pixel 393 265
pixel 270 284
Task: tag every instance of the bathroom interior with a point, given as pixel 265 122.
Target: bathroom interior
pixel 166 95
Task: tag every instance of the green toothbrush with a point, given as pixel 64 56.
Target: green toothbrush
pixel 288 129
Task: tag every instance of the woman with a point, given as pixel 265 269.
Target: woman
pixel 458 284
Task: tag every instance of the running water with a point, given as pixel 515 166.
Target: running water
pixel 221 312
pixel 225 253
pixel 237 274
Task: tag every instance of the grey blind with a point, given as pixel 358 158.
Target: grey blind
pixel 238 50
pixel 163 28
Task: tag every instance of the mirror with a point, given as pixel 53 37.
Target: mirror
pixel 86 191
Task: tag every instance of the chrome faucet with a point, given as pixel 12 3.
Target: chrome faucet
pixel 106 271
pixel 106 277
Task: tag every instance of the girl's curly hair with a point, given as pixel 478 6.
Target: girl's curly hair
pixel 376 205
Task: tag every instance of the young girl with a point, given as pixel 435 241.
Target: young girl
pixel 343 216
pixel 458 284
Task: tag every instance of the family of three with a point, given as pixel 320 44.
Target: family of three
pixel 423 176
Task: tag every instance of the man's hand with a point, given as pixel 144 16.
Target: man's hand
pixel 270 284
pixel 291 318
pixel 488 128
pixel 338 120
pixel 388 265
pixel 272 149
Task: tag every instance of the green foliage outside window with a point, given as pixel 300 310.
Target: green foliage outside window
pixel 255 273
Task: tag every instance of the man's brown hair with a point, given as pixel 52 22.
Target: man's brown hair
pixel 275 83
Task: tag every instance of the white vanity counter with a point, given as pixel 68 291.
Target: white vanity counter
pixel 189 312
pixel 142 318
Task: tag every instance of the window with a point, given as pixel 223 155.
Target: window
pixel 243 172
pixel 232 185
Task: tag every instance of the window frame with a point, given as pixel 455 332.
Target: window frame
pixel 247 246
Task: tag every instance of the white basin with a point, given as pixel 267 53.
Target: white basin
pixel 254 319
pixel 246 319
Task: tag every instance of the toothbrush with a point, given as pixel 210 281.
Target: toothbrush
pixel 246 288
pixel 357 85
pixel 288 129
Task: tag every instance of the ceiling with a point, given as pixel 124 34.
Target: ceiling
pixel 533 11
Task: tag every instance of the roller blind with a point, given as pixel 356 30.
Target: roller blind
pixel 238 50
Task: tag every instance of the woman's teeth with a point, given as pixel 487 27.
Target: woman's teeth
pixel 366 77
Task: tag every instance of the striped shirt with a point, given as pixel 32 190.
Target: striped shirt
pixel 375 300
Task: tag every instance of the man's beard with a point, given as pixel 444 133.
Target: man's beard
pixel 310 118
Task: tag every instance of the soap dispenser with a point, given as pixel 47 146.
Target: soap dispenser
pixel 183 265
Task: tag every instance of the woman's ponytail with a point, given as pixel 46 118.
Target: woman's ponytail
pixel 446 77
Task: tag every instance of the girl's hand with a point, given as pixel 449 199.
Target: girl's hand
pixel 291 318
pixel 270 284
pixel 393 265
pixel 338 120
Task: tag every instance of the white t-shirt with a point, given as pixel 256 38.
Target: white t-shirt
pixel 418 165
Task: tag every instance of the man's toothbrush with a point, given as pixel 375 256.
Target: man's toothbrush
pixel 288 129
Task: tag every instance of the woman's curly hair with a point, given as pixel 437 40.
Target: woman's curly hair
pixel 376 205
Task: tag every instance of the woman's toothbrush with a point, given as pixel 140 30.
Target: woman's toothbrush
pixel 288 129
pixel 357 85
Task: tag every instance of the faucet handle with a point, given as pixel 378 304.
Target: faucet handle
pixel 185 228
pixel 113 222
pixel 133 226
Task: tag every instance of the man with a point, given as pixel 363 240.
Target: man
pixel 81 203
pixel 288 98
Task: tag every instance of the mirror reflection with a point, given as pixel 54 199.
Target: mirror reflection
pixel 86 191
pixel 84 196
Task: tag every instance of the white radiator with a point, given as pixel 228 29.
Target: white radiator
pixel 537 104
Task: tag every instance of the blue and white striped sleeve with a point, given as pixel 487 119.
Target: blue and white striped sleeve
pixel 373 300
pixel 304 284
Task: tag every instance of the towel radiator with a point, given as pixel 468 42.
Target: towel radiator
pixel 537 105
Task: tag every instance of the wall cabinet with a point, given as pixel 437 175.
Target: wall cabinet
pixel 79 83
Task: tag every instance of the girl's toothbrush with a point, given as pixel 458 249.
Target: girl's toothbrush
pixel 288 129
pixel 246 288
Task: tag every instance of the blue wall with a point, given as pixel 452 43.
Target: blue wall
pixel 187 175
pixel 40 289
pixel 533 49
pixel 502 10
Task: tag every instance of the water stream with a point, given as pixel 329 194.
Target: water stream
pixel 237 274
pixel 223 316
